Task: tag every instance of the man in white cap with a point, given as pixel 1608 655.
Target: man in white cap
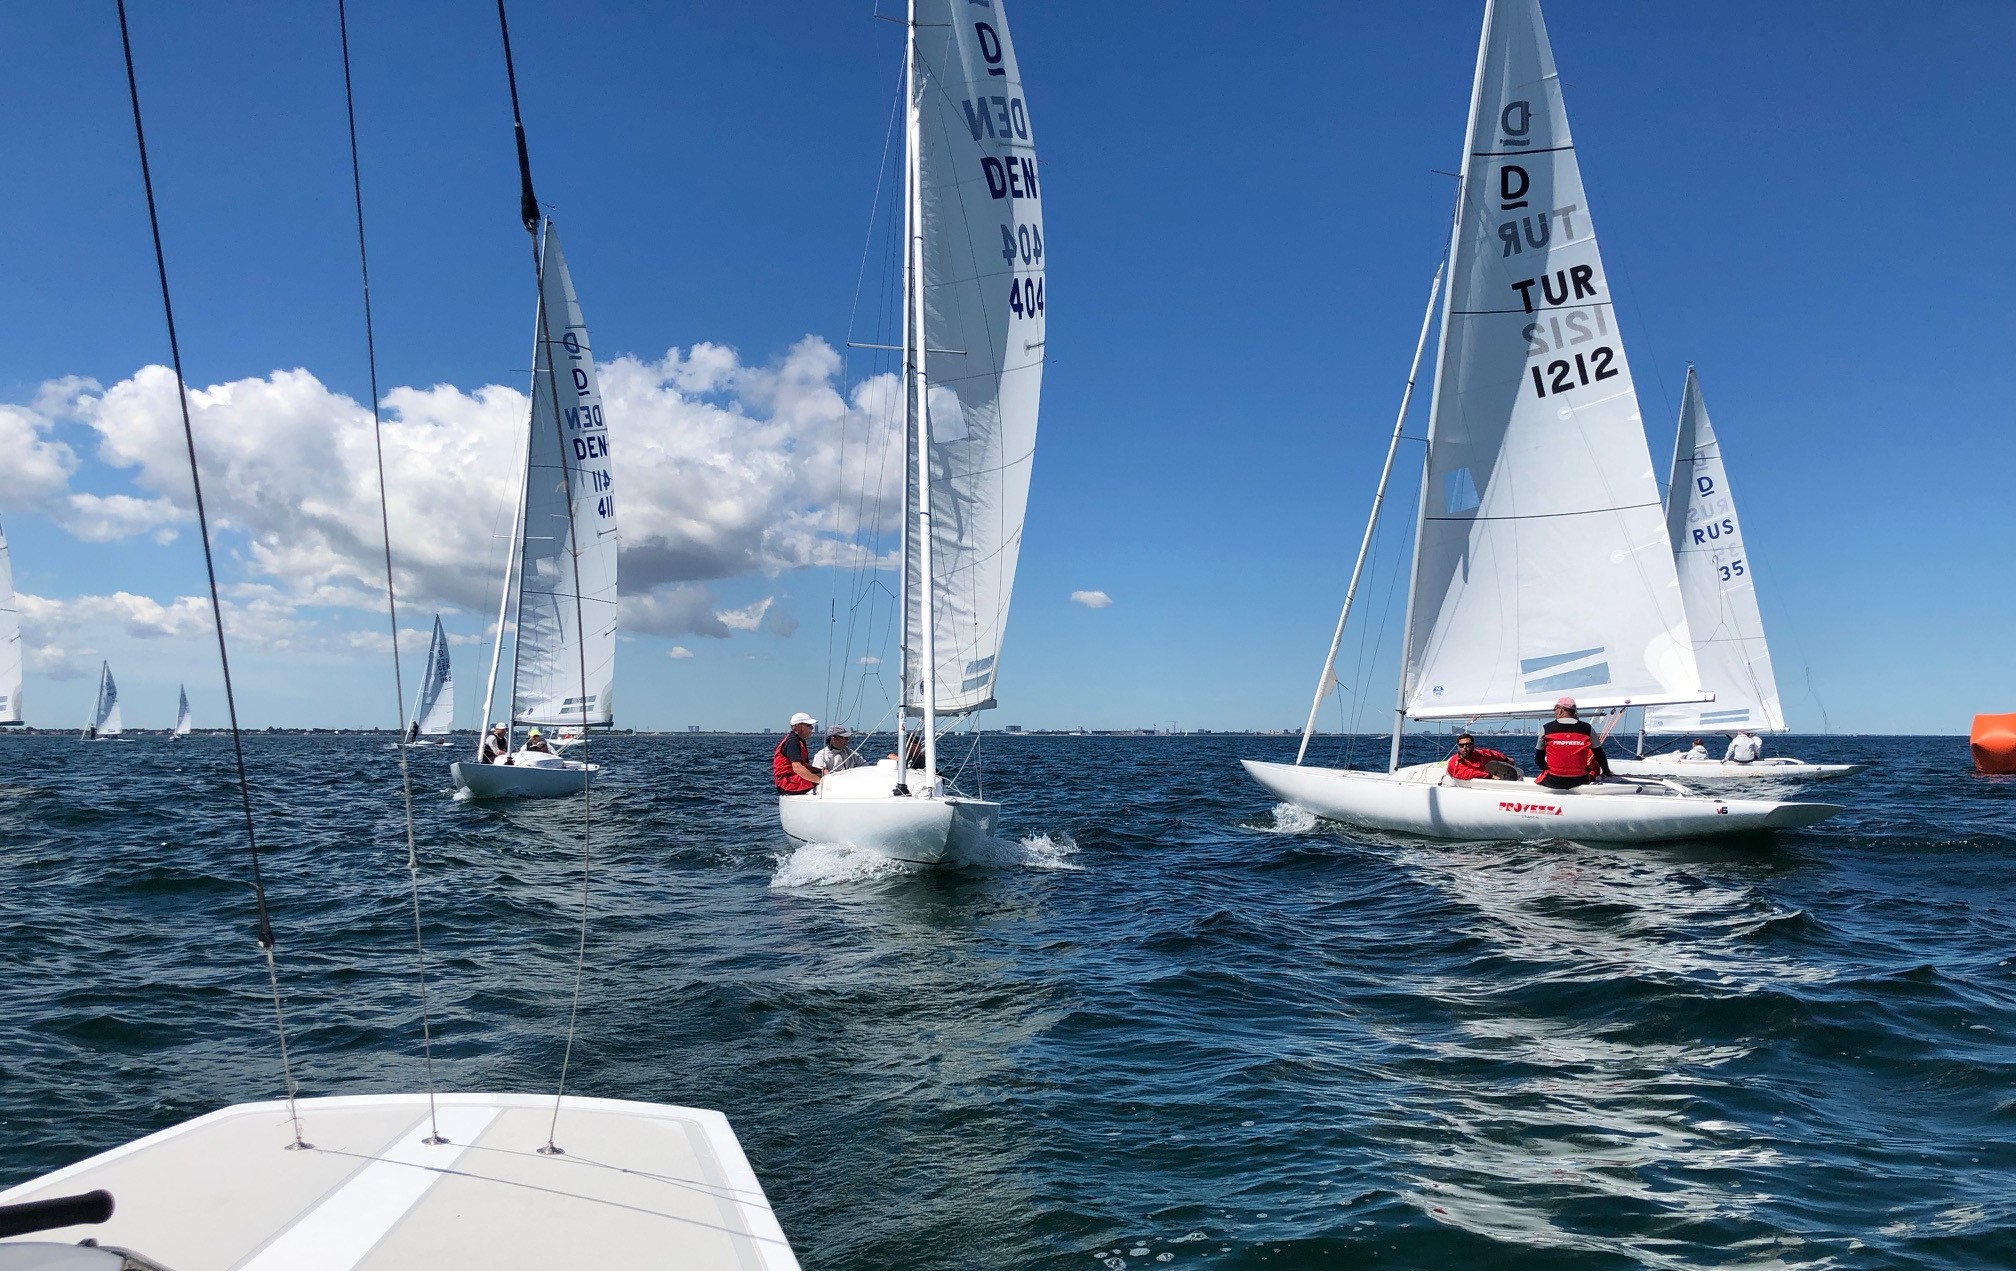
pixel 1568 755
pixel 497 746
pixel 838 756
pixel 791 763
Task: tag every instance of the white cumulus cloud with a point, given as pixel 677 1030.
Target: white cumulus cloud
pixel 678 651
pixel 1091 599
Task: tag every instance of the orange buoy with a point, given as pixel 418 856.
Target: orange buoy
pixel 1994 743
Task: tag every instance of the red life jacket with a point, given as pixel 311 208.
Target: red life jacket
pixel 1569 754
pixel 782 773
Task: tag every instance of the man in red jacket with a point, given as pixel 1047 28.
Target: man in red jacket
pixel 1568 755
pixel 1472 762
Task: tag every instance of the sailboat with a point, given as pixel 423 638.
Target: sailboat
pixel 1541 564
pixel 104 725
pixel 560 576
pixel 434 701
pixel 1718 583
pixel 10 642
pixel 973 329
pixel 182 718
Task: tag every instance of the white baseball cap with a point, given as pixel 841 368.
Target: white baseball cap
pixel 802 718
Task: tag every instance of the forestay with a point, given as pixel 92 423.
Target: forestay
pixel 1718 586
pixel 984 309
pixel 10 641
pixel 566 650
pixel 435 708
pixel 1542 563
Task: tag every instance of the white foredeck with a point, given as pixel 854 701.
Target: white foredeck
pixel 638 1185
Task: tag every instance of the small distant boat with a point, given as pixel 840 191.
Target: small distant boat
pixel 182 720
pixel 560 577
pixel 10 641
pixel 104 725
pixel 973 337
pixel 1718 585
pixel 434 702
pixel 1993 743
pixel 1541 561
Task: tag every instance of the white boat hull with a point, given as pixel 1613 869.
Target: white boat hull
pixel 858 808
pixel 1420 800
pixel 636 1184
pixel 1717 770
pixel 537 777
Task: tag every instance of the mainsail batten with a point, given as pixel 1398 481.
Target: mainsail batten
pixel 1718 586
pixel 984 317
pixel 566 636
pixel 1542 565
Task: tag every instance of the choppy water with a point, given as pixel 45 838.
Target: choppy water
pixel 1169 1024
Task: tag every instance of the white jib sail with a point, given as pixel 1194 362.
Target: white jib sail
pixel 1718 584
pixel 434 705
pixel 105 715
pixel 10 641
pixel 1542 564
pixel 984 310
pixel 183 721
pixel 566 651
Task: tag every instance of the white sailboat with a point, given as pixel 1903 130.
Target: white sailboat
pixel 1541 562
pixel 104 725
pixel 560 580
pixel 434 701
pixel 183 721
pixel 10 641
pixel 1718 585
pixel 973 336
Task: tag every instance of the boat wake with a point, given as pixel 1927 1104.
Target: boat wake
pixel 1289 819
pixel 825 864
pixel 1038 851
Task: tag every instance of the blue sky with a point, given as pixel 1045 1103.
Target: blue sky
pixel 1804 199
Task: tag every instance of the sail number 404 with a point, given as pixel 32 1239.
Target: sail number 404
pixel 1562 374
pixel 1023 243
pixel 1025 296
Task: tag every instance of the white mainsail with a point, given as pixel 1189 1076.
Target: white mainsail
pixel 105 714
pixel 1542 564
pixel 1718 584
pixel 984 305
pixel 434 704
pixel 10 641
pixel 566 649
pixel 182 719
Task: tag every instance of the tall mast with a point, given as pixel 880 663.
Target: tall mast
pixel 1455 265
pixel 511 551
pixel 913 355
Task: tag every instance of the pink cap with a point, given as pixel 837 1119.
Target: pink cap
pixel 1560 702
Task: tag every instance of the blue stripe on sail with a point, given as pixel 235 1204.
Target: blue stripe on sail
pixel 1728 716
pixel 978 681
pixel 977 668
pixel 1529 665
pixel 1583 678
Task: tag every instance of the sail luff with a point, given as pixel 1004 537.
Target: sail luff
pixel 1718 585
pixel 10 641
pixel 1542 565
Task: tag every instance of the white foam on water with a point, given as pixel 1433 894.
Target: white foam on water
pixel 1290 819
pixel 824 864
pixel 1038 851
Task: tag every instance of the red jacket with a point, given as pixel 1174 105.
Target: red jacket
pixel 787 778
pixel 1472 768
pixel 1568 749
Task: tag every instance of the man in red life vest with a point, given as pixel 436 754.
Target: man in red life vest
pixel 1568 755
pixel 791 763
pixel 1472 762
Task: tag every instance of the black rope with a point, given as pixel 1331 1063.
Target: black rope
pixel 528 206
pixel 391 591
pixel 265 934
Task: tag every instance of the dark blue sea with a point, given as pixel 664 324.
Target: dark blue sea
pixel 1166 1023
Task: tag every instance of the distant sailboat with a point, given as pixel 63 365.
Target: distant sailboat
pixel 1718 585
pixel 104 725
pixel 1541 563
pixel 434 703
pixel 973 336
pixel 10 641
pixel 560 579
pixel 182 721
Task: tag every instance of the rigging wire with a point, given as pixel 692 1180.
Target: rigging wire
pixel 391 589
pixel 265 934
pixel 528 207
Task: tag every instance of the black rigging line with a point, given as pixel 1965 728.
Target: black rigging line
pixel 265 935
pixel 391 591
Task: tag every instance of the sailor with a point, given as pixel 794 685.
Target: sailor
pixel 836 756
pixel 791 763
pixel 496 747
pixel 413 733
pixel 1472 762
pixel 535 744
pixel 1744 747
pixel 1568 755
pixel 1698 753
